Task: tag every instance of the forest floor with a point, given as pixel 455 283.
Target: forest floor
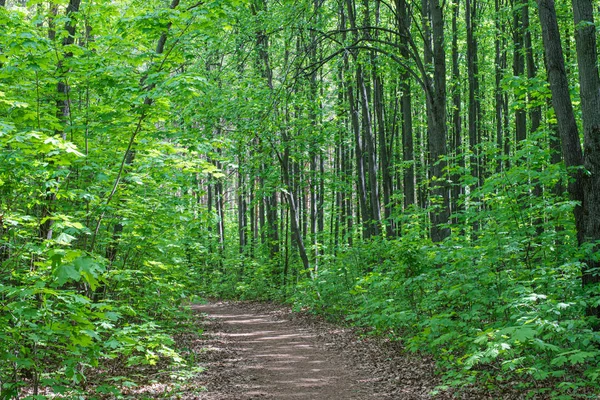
pixel 258 350
pixel 265 351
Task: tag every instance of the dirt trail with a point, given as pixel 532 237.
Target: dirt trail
pixel 259 352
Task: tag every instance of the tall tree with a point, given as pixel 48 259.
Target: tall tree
pixel 456 109
pixel 589 87
pixel 473 78
pixel 519 66
pixel 436 97
pixel 584 186
pixel 403 22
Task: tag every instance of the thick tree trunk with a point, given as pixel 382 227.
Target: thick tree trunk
pixel 437 129
pixel 589 88
pixel 587 215
pixel 561 101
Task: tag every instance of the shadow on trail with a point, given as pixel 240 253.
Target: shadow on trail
pixel 282 361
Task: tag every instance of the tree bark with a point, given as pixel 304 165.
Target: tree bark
pixel 293 209
pixel 456 111
pixel 403 21
pixel 241 208
pixel 578 189
pixel 589 89
pixel 437 129
pixel 473 79
pixel 519 69
pixel 535 113
pixel 359 147
pixel 498 87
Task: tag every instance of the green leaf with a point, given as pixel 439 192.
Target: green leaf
pixel 66 272
pixel 64 239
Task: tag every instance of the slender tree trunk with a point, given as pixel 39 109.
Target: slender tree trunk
pixel 535 113
pixel 472 76
pixel 314 146
pixel 262 208
pixel 367 131
pixel 456 111
pixel 252 215
pixel 272 227
pixel 241 208
pixel 2 4
pixel 498 86
pixel 296 232
pixel 62 107
pixel 209 206
pixel 386 178
pixel 519 68
pixel 403 22
pixel 219 203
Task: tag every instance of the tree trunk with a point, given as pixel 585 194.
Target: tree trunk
pixel 535 113
pixel 472 76
pixel 293 209
pixel 567 126
pixel 241 208
pixel 408 181
pixel 437 129
pixel 519 68
pixel 367 133
pixel 456 111
pixel 589 89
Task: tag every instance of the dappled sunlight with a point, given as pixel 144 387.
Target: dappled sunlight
pixel 282 361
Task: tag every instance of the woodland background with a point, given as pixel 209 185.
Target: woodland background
pixel 415 167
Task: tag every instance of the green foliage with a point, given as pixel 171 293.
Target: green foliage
pixel 109 190
pixel 497 305
pixel 95 259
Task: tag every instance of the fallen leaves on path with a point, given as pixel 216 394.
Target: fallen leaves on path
pixel 246 342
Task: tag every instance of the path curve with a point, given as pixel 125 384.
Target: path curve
pixel 283 361
pixel 259 353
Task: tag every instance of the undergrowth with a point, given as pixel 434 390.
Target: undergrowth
pixel 499 304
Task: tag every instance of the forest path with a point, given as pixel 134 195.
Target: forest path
pixel 263 351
